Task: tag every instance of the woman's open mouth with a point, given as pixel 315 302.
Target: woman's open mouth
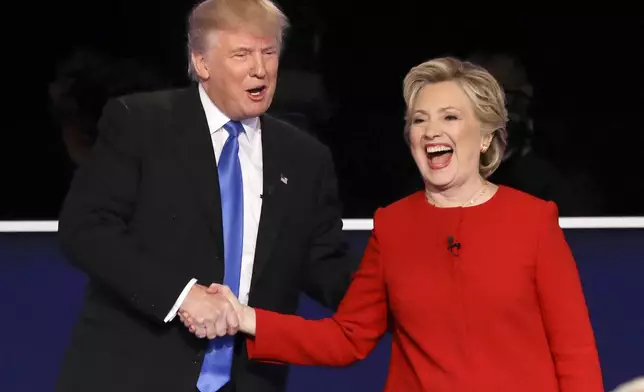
pixel 439 155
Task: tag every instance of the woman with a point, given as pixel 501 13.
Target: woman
pixel 480 284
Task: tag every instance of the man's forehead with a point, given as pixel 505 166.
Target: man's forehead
pixel 247 38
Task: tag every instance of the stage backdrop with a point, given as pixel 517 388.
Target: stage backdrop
pixel 41 297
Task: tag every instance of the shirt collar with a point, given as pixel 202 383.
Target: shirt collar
pixel 216 119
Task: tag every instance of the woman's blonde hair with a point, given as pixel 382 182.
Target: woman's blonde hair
pixel 483 90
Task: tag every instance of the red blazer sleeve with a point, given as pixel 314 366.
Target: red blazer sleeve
pixel 564 311
pixel 349 335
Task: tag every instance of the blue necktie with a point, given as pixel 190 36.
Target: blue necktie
pixel 215 371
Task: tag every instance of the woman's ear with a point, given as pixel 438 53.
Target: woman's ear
pixel 486 140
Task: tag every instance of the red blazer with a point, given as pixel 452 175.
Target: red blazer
pixel 507 313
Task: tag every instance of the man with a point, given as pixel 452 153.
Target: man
pixel 186 188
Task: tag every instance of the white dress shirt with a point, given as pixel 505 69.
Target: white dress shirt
pixel 250 157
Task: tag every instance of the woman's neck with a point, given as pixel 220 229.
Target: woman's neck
pixel 470 193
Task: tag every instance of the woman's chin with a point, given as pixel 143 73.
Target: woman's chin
pixel 439 179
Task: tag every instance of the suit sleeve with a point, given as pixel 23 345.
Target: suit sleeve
pixel 330 265
pixel 564 311
pixel 94 221
pixel 349 335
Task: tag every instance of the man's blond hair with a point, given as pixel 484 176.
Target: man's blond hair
pixel 261 17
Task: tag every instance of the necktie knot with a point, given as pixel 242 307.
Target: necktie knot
pixel 234 128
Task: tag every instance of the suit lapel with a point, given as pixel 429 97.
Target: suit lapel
pixel 273 200
pixel 194 148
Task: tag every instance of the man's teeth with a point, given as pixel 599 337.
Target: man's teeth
pixel 432 149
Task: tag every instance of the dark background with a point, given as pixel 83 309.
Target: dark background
pixel 348 59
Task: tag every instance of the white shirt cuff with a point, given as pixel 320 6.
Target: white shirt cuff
pixel 177 305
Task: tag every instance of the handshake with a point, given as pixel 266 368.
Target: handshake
pixel 209 312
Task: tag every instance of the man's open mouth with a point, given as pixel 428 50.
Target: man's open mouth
pixel 256 91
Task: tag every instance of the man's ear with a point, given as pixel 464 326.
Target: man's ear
pixel 200 65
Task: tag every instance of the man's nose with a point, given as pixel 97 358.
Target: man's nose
pixel 259 68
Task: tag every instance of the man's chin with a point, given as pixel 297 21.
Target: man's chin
pixel 255 109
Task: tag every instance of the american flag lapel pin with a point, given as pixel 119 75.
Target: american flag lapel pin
pixel 283 179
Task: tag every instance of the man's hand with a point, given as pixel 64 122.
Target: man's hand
pixel 229 295
pixel 208 314
pixel 245 314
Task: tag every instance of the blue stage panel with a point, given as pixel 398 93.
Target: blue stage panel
pixel 41 295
